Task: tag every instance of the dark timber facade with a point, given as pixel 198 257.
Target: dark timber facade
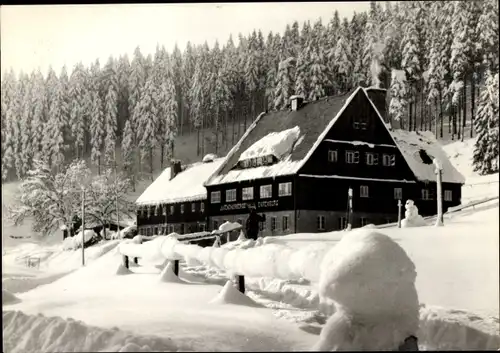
pixel 345 143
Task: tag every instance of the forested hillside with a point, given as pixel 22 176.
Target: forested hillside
pixel 434 58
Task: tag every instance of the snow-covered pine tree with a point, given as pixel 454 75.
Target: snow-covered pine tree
pixel 53 141
pixel 178 77
pixel 26 151
pixel 284 84
pixel 96 129
pixel 196 99
pixel 487 34
pixel 15 116
pixel 372 53
pixel 188 65
pixel 252 73
pixel 65 108
pixel 343 58
pixel 302 74
pixel 110 122
pixel 128 150
pixel 220 100
pixel 147 113
pixel 122 72
pixel 167 117
pixel 109 76
pixel 136 82
pixel 486 148
pixel 38 104
pixel 399 92
pixel 12 106
pixel 317 76
pixel 76 93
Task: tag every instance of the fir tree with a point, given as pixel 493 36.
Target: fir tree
pixel 110 117
pixel 147 113
pixel 318 78
pixel 487 34
pixel 284 84
pixel 397 105
pixel 96 130
pixel 486 148
pixel 302 70
pixel 53 141
pixel 26 151
pixel 38 103
pixel 136 82
pixel 77 92
pixel 128 149
pixel 343 58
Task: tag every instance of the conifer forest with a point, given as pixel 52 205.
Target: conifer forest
pixel 439 61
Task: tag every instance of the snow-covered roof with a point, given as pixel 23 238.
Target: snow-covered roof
pixel 411 143
pixel 186 186
pixel 278 144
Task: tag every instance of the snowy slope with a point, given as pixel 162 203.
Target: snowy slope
pixel 476 186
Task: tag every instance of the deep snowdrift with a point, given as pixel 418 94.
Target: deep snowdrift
pixel 371 281
pixel 37 333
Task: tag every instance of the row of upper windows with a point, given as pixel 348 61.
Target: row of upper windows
pixel 265 192
pixel 352 157
pixel 157 210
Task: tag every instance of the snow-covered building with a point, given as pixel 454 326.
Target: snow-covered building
pixel 297 166
pixel 175 201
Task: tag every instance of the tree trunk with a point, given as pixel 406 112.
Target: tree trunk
pixel 151 162
pixel 415 115
pixel 441 117
pixel 436 117
pixel 459 116
pixel 198 141
pixel 464 120
pixel 410 110
pixel 162 154
pixel 472 104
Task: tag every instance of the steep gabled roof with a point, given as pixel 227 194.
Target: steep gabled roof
pixel 312 119
pixel 184 187
pixel 315 119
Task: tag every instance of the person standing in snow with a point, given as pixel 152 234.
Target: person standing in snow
pixel 252 224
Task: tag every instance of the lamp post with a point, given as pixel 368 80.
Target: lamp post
pixel 439 172
pixel 349 195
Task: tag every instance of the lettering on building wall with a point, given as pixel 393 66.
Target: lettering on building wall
pixel 244 205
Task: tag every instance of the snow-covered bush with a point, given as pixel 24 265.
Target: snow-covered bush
pixel 370 280
pixel 412 218
pixel 89 234
pixel 68 243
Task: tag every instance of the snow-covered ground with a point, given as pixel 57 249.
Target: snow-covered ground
pixel 456 280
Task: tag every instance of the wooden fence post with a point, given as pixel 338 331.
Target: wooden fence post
pixel 241 283
pixel 176 267
pixel 125 261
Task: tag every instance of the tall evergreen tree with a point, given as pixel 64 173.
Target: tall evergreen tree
pixel 486 149
pixel 53 141
pixel 128 151
pixel 284 84
pixel 147 114
pixel 96 130
pixel 110 121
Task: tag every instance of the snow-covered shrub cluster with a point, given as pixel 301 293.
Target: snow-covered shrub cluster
pixel 412 218
pixel 75 242
pixel 371 282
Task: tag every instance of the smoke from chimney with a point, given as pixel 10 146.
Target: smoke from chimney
pixel 375 67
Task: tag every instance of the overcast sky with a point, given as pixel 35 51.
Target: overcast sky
pixel 39 36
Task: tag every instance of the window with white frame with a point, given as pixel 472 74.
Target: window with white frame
pixel 363 191
pixel 259 161
pixel 285 222
pixel 398 193
pixel 448 195
pixel 320 222
pixel 352 157
pixel 247 193
pixel 215 225
pixel 332 156
pixel 170 228
pixel 172 209
pixel 273 223
pixel 202 206
pixel 342 223
pixel 215 197
pixel 149 211
pixel 269 159
pixel 231 195
pixel 285 189
pixel 371 158
pixel 389 160
pixel 193 207
pixel 426 194
pixel 266 191
pixel 182 208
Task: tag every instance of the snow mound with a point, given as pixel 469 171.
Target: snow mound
pixel 167 275
pixel 209 158
pixel 230 295
pixel 448 329
pixel 122 270
pixel 277 144
pixel 371 281
pixel 88 234
pixel 9 298
pixel 241 237
pixel 37 333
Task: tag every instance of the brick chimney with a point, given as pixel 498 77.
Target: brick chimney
pixel 379 98
pixel 296 102
pixel 175 168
